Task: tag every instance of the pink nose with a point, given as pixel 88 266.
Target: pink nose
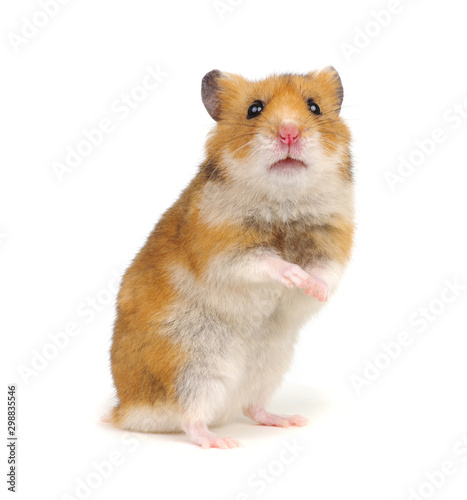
pixel 288 133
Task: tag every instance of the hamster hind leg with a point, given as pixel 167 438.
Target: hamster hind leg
pixel 207 384
pixel 204 398
pixel 269 363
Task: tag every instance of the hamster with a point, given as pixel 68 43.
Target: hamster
pixel 209 310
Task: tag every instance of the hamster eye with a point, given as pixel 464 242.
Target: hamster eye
pixel 255 109
pixel 314 107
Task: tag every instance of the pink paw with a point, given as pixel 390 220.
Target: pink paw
pixel 260 415
pixel 223 443
pixel 318 288
pixel 292 275
pixel 200 435
pixel 298 420
pixel 285 420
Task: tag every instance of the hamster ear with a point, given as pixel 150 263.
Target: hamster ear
pixel 210 93
pixel 335 80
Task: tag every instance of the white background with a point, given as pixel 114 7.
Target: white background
pixel 62 242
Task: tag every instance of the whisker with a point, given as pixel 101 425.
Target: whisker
pixel 241 147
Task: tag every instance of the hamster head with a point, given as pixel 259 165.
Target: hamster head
pixel 280 133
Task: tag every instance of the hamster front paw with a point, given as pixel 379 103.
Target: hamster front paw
pixel 292 275
pixel 318 288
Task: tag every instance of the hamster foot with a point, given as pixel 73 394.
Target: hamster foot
pixel 260 415
pixel 200 435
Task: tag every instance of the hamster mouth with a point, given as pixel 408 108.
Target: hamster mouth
pixel 288 165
